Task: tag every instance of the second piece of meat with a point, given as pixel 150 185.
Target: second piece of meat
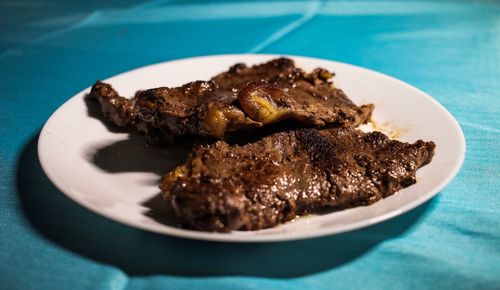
pixel 271 181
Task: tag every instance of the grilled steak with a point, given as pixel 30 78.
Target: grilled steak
pixel 241 98
pixel 270 181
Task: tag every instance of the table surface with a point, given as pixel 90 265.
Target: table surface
pixel 49 50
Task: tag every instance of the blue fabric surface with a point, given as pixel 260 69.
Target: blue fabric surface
pixel 50 50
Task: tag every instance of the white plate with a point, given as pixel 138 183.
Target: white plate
pixel 117 176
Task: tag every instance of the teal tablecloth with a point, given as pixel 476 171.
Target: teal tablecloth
pixel 51 50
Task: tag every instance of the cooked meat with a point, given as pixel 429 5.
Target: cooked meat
pixel 239 75
pixel 241 98
pixel 271 181
pixel 309 98
pixel 116 109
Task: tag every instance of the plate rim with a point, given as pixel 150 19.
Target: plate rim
pixel 275 237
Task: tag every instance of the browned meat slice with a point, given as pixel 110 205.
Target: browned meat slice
pixel 271 181
pixel 241 98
